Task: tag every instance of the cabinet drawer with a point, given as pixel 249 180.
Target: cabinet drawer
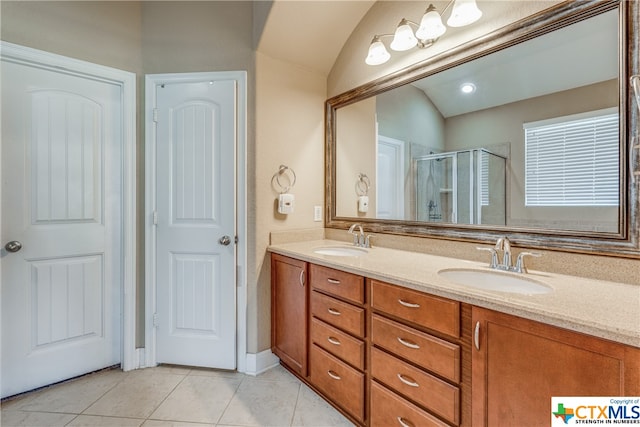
pixel 344 316
pixel 389 409
pixel 435 313
pixel 427 351
pixel 338 381
pixel 345 285
pixel 336 342
pixel 432 393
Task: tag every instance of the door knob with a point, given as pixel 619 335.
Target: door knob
pixel 13 246
pixel 225 240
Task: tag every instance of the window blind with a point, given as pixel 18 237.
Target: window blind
pixel 573 161
pixel 484 178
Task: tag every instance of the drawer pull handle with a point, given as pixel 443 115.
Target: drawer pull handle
pixel 334 311
pixel 408 304
pixel 333 375
pixel 333 281
pixel 404 423
pixel 407 343
pixel 334 341
pixel 408 381
pixel 476 336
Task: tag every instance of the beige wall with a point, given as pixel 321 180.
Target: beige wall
pixel 167 37
pixel 145 38
pixel 356 154
pixel 196 36
pixel 503 125
pixel 350 70
pixel 407 114
pixel 289 131
pixel 102 32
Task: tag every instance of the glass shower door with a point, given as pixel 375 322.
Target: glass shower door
pixel 435 188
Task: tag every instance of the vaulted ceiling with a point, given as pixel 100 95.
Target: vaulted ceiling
pixel 310 33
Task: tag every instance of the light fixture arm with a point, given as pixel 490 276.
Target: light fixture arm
pixel 427 32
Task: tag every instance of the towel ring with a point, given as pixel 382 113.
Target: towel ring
pixel 362 185
pixel 276 177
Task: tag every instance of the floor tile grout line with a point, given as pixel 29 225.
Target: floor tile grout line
pixel 167 396
pixel 242 379
pixel 105 393
pixel 295 406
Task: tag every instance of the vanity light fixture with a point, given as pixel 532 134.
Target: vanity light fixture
pixel 429 30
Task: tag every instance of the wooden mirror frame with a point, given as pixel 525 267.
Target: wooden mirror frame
pixel 624 243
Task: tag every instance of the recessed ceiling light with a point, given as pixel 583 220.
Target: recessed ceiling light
pixel 468 88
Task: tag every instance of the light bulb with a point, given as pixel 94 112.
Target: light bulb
pixel 378 54
pixel 464 12
pixel 404 39
pixel 431 26
pixel 467 88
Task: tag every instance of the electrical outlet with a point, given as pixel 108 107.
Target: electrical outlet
pixel 317 213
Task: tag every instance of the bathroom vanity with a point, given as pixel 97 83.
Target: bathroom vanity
pixel 388 341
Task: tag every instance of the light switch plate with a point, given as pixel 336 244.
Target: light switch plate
pixel 317 213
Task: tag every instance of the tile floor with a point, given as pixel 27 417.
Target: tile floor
pixel 169 396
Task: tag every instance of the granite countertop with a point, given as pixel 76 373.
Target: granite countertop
pixel 604 309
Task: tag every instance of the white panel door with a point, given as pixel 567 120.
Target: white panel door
pixel 61 199
pixel 195 265
pixel 390 178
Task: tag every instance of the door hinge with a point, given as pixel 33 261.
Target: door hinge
pixel 155 115
pixel 155 320
pixel 154 217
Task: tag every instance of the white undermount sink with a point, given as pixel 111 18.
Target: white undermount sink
pixel 341 251
pixel 500 281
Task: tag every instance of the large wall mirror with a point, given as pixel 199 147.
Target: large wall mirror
pixel 527 131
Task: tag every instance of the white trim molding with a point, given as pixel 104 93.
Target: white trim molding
pixel 151 82
pixel 127 83
pixel 258 363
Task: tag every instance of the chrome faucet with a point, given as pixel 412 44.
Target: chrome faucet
pixel 504 244
pixel 359 239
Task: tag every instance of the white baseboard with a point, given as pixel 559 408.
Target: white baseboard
pixel 258 363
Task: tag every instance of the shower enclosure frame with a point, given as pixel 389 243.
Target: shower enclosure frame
pixel 475 167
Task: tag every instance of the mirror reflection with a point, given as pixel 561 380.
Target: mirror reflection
pixel 527 136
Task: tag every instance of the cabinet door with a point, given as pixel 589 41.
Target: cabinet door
pixel 289 301
pixel 518 365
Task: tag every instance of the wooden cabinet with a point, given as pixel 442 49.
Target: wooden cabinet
pixel 416 375
pixel 518 365
pixel 338 283
pixel 427 311
pixel 389 409
pixel 386 355
pixel 289 305
pixel 337 356
pixel 341 383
